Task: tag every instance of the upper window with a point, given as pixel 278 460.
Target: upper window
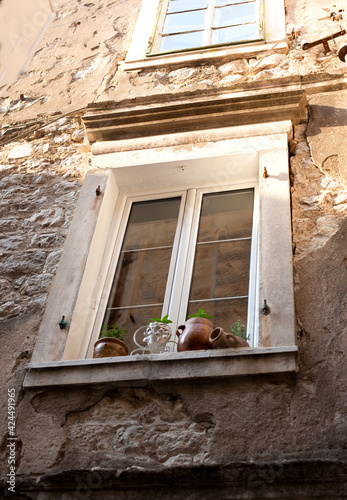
pixel 190 250
pixel 188 24
pixel 180 31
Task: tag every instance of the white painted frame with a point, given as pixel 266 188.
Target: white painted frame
pixel 157 34
pixel 182 256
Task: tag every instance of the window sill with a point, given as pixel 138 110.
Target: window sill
pixel 140 370
pixel 205 55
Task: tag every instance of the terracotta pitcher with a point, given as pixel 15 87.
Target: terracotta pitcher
pixel 221 340
pixel 194 335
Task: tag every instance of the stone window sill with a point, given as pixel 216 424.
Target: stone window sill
pixel 204 55
pixel 140 370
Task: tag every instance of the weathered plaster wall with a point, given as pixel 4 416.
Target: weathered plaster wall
pixel 77 57
pixel 269 419
pixel 78 60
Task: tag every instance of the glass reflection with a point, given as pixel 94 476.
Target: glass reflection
pixel 183 5
pixel 232 15
pixel 234 34
pixel 184 21
pixel 181 42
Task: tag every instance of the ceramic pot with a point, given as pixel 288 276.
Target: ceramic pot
pixel 222 340
pixel 194 335
pixel 109 347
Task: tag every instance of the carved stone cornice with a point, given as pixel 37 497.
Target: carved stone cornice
pixel 161 115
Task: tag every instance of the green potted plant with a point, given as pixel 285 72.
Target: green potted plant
pixel 195 333
pixel 239 330
pixel 110 342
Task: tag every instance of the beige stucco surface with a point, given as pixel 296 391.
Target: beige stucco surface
pixel 22 23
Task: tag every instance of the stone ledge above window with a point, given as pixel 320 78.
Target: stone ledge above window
pixel 140 370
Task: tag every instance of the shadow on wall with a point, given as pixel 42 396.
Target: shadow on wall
pixel 325 116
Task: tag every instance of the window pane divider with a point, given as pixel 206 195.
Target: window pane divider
pixel 195 301
pixel 184 11
pixel 231 4
pixel 180 32
pixel 133 307
pixel 232 25
pixel 147 248
pixel 223 241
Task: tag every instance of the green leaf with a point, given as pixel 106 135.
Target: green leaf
pixel 239 330
pixel 113 331
pixel 165 320
pixel 201 314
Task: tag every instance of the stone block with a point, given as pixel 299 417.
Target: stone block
pixel 46 240
pixel 37 284
pixel 78 135
pixel 181 74
pixel 9 225
pixel 10 243
pixel 9 308
pixel 229 79
pixel 327 225
pixel 52 261
pixel 20 151
pixel 23 263
pixel 239 67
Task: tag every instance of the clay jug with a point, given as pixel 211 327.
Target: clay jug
pixel 194 335
pixel 222 340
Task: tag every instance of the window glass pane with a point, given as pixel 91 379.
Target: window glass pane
pixel 222 257
pixel 181 42
pixel 235 14
pixel 139 284
pixel 226 216
pixel 221 270
pixel 141 277
pixel 234 34
pixel 225 312
pixel 181 5
pixel 151 224
pixel 185 21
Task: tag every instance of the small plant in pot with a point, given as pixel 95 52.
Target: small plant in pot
pixel 194 334
pixel 155 335
pixel 110 342
pixel 239 330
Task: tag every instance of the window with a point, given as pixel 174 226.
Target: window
pixel 182 31
pixel 183 252
pixel 197 23
pixel 192 175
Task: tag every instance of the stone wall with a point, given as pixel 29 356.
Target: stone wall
pixel 269 421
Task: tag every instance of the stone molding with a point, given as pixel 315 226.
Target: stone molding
pixel 157 116
pixel 140 370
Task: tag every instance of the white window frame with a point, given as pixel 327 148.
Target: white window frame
pixel 137 57
pixel 182 258
pixel 157 34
